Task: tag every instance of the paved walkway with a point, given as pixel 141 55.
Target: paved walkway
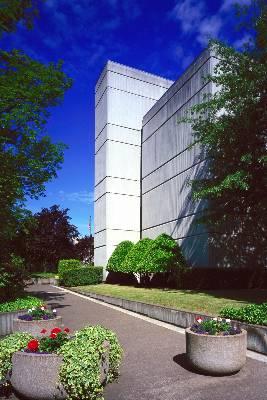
pixel 154 365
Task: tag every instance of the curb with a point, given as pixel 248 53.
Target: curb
pixel 257 334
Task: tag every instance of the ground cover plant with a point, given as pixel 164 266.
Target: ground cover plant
pixel 208 301
pixel 22 303
pixel 252 313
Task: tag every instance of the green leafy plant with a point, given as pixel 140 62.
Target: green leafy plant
pixel 115 262
pixel 66 265
pixel 82 276
pixel 22 303
pixel 13 275
pixel 252 313
pixel 11 343
pixel 80 374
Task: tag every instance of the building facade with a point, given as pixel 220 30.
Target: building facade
pixel 144 160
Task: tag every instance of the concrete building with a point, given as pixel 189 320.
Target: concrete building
pixel 144 159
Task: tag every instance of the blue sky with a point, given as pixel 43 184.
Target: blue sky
pixel 160 36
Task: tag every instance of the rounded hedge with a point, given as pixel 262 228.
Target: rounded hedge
pixel 66 265
pixel 136 256
pixel 117 258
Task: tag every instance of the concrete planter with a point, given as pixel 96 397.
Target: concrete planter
pixel 35 327
pixel 216 355
pixel 36 376
pixel 6 321
pixel 43 281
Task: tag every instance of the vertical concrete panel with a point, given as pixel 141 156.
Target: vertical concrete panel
pixel 169 163
pixel 123 96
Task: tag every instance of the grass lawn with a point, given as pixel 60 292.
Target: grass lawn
pixel 205 301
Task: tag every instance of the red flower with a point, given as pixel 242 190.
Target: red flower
pixel 56 330
pixel 43 331
pixel 66 330
pixel 33 345
pixel 53 335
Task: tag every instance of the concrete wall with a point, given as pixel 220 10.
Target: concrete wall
pixel 123 96
pixel 168 164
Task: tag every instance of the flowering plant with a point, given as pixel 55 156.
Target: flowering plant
pixel 38 313
pixel 214 326
pixel 48 344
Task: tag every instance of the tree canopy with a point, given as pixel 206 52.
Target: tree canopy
pixel 50 237
pixel 231 127
pixel 12 11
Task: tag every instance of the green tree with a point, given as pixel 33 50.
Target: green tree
pixel 84 249
pixel 116 260
pixel 12 11
pixel 49 239
pixel 230 125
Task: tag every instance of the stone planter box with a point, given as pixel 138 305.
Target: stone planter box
pixel 216 355
pixel 36 376
pixel 35 327
pixel 6 321
pixel 43 281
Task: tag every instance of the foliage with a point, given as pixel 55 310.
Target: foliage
pixel 84 249
pixel 9 345
pixel 230 126
pixel 48 240
pixel 80 374
pixel 136 255
pixel 12 278
pixel 28 158
pixel 82 276
pixel 66 265
pixel 215 327
pixel 22 303
pixel 117 258
pixel 12 11
pixel 162 254
pixel 252 313
pixel 147 257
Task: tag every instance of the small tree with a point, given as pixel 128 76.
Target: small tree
pixel 116 260
pixel 136 258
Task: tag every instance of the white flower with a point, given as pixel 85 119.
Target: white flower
pixel 42 308
pixel 214 319
pixel 33 308
pixel 54 311
pixel 228 320
pixel 30 310
pixel 199 320
pixel 219 319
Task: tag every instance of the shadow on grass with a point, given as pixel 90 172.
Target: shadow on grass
pixel 244 295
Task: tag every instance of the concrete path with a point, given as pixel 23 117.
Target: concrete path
pixel 154 365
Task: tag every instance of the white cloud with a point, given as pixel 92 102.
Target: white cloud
pixel 83 196
pixel 209 28
pixel 184 58
pixel 228 4
pixel 188 13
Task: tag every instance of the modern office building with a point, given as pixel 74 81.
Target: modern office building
pixel 144 160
